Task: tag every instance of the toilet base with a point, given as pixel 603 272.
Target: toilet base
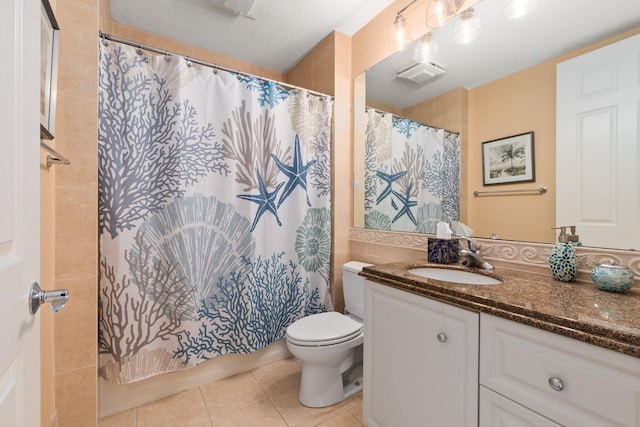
pixel 325 386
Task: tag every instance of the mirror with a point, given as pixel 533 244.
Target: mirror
pixel 510 56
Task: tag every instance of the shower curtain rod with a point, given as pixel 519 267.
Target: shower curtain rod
pixel 201 62
pixel 377 110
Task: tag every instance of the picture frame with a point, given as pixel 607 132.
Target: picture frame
pixel 508 160
pixel 49 41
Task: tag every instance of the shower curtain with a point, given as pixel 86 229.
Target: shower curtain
pixel 412 174
pixel 214 211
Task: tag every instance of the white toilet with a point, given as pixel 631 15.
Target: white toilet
pixel 329 346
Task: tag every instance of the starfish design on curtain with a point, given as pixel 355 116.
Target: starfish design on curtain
pixel 406 205
pixel 389 179
pixel 297 173
pixel 265 200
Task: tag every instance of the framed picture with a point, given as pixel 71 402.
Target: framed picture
pixel 508 160
pixel 49 35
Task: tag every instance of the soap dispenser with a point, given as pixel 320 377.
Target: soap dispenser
pixel 564 259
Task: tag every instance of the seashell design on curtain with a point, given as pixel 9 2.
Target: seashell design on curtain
pixel 214 212
pixel 412 174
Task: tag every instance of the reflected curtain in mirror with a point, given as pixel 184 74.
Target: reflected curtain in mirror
pixel 412 174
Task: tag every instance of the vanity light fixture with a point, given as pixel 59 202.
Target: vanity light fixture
pixel 515 9
pixel 400 33
pixel 400 37
pixel 467 27
pixel 426 49
pixel 439 12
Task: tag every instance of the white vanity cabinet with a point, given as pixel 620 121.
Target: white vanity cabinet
pixel 567 381
pixel 420 361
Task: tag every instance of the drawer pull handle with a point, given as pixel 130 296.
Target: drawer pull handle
pixel 556 384
pixel 442 337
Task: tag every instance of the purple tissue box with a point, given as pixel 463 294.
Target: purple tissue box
pixel 441 251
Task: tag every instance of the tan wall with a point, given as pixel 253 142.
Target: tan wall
pixel 342 157
pixel 48 416
pixel 382 107
pixel 522 102
pixel 316 71
pixel 511 106
pixel 76 195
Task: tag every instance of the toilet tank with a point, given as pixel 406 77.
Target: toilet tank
pixel 353 288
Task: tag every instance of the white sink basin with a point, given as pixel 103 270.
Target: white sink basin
pixel 454 276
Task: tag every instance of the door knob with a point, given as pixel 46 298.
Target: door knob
pixel 57 298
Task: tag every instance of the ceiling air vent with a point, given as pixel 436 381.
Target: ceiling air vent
pixel 238 7
pixel 421 73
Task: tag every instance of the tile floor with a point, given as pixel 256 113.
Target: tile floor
pixel 263 397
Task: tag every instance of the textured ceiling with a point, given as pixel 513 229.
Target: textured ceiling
pixel 284 31
pixel 281 33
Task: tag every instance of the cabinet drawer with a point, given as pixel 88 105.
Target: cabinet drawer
pixel 568 381
pixel 498 411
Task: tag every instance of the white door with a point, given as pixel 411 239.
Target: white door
pixel 597 145
pixel 19 211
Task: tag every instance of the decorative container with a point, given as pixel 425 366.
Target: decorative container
pixel 563 262
pixel 612 278
pixel 442 251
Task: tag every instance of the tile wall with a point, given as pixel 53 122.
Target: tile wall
pixel 75 235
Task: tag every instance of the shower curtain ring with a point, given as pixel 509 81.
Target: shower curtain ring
pixel 189 63
pixel 139 50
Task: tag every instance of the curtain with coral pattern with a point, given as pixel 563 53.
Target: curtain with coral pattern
pixel 412 174
pixel 214 211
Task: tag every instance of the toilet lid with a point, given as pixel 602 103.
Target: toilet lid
pixel 323 327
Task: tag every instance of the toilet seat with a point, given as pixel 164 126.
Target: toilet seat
pixel 323 329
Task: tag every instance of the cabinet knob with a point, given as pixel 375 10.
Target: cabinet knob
pixel 556 384
pixel 442 337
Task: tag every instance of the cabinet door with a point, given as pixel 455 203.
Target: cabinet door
pixel 498 411
pixel 566 380
pixel 420 361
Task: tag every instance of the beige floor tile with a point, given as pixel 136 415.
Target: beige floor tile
pixel 297 415
pixel 262 414
pixel 186 409
pixel 121 419
pixel 354 406
pixel 230 394
pixel 342 419
pixel 279 377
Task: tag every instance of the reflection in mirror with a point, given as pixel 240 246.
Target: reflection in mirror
pixel 499 85
pixel 411 174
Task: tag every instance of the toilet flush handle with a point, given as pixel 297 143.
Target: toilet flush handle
pixel 442 337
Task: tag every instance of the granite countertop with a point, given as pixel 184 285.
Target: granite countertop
pixel 574 309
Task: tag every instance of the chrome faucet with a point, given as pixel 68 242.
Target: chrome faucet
pixel 473 255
